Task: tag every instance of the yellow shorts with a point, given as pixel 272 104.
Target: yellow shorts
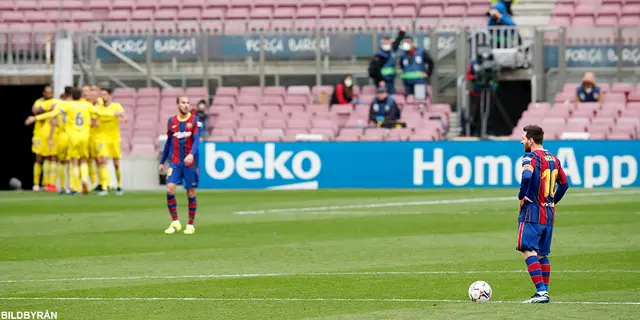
pixel 62 146
pixel 78 147
pixel 108 148
pixel 35 145
pixel 47 150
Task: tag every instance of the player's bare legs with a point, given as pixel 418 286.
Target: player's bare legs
pixel 172 205
pixel 37 171
pixel 116 165
pixel 193 205
pixel 535 272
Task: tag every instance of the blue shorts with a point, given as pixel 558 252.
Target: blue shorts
pixel 533 236
pixel 179 173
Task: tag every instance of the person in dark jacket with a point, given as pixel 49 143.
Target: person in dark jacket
pixel 417 65
pixel 383 110
pixel 382 68
pixel 343 92
pixel 201 112
pixel 588 91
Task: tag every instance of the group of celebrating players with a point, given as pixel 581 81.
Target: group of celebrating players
pixel 73 136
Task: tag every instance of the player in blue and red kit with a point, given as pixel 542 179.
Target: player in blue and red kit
pixel 181 149
pixel 541 171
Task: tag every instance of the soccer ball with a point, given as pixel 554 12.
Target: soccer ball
pixel 480 291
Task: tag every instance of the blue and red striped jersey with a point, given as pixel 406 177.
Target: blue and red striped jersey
pixel 546 175
pixel 183 137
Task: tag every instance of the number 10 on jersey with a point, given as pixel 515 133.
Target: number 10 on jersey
pixel 549 182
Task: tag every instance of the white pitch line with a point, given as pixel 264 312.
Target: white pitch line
pixel 312 274
pixel 421 203
pixel 298 299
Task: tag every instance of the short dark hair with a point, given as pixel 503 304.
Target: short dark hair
pixel 76 93
pixel 386 38
pixel 107 89
pixel 534 132
pixel 67 90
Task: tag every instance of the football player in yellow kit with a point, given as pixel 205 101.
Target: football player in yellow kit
pixel 108 142
pixel 42 152
pixel 78 125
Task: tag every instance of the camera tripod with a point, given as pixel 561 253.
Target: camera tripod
pixel 486 95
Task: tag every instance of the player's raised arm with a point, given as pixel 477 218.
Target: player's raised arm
pixel 527 175
pixel 563 183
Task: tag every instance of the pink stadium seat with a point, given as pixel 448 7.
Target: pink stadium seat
pixel 606 21
pixel 298 90
pixel 237 14
pixel 258 25
pixel 249 99
pixel 331 13
pixel 585 10
pixel 274 91
pixel 565 96
pixel 213 14
pixel 560 21
pixel 297 99
pixel 629 20
pixel 273 110
pixel 189 14
pixel 274 123
pixel 356 12
pixel 227 91
pixel 244 109
pixel 196 4
pixel 328 133
pixel 261 13
pixel 404 12
pixel 615 97
pixel 308 13
pixel 275 100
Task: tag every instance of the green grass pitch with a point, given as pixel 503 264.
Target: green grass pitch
pixel 329 254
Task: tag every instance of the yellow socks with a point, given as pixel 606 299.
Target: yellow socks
pixel 103 173
pixel 62 175
pixel 84 172
pixel 92 171
pixel 45 172
pixel 74 178
pixel 118 177
pixel 53 172
pixel 37 171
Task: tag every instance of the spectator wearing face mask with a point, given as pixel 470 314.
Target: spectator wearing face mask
pixel 343 92
pixel 417 65
pixel 588 91
pixel 201 112
pixel 384 111
pixel 382 68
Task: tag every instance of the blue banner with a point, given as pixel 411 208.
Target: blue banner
pixel 311 165
pixel 593 56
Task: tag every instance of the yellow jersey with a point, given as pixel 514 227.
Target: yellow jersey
pixel 38 127
pixel 108 127
pixel 78 116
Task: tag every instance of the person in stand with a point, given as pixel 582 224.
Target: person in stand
pixel 201 112
pixel 343 92
pixel 588 91
pixel 384 111
pixel 417 65
pixel 382 68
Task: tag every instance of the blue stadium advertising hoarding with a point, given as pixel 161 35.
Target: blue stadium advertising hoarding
pixel 312 165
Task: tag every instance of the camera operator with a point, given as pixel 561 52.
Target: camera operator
pixel 482 74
